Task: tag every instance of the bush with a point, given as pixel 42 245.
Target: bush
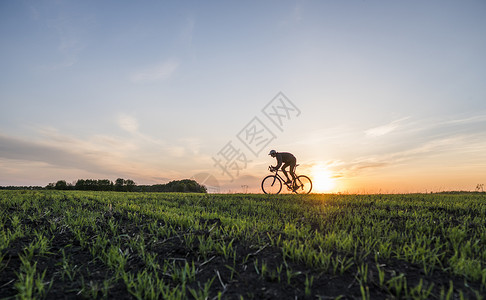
pixel 180 186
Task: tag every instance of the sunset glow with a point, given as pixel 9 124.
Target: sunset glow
pixel 322 180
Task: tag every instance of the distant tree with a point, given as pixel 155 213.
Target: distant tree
pixel 119 185
pixel 151 188
pixel 94 185
pixel 122 185
pixel 185 186
pixel 61 185
pixel 179 187
pixel 80 185
pixel 89 185
pixel 105 185
pixel 130 185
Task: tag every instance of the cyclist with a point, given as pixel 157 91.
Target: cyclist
pixel 288 159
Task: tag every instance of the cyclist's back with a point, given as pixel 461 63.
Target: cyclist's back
pixel 285 158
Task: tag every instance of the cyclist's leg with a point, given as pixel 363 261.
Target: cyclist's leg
pixel 292 170
pixel 293 165
pixel 285 165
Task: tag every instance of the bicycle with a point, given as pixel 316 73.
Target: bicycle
pixel 272 184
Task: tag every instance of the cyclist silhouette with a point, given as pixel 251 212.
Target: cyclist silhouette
pixel 288 160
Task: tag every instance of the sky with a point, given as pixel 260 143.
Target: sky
pixel 370 96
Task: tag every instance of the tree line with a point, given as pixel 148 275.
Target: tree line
pixel 120 185
pixel 181 186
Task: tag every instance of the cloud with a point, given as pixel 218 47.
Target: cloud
pixel 176 151
pixel 384 129
pixel 52 155
pixel 297 12
pixel 342 169
pixel 468 120
pixel 70 157
pixel 160 72
pixel 412 144
pixel 294 15
pixel 187 32
pixel 426 154
pixel 131 125
pixel 128 123
pixel 70 30
pixel 34 12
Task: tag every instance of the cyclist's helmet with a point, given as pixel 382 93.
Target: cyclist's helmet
pixel 272 153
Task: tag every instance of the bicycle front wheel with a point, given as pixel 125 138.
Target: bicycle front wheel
pixel 303 185
pixel 271 185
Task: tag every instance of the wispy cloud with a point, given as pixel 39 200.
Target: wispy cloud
pixel 428 152
pixel 407 144
pixel 138 156
pixel 468 120
pixel 57 154
pixel 70 30
pixel 297 12
pixel 34 12
pixel 63 155
pixel 384 129
pixel 128 123
pixel 294 16
pixel 347 169
pixel 159 72
pixel 187 32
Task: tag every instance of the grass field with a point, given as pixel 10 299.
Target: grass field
pixel 202 246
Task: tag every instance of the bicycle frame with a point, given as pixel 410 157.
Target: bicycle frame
pixel 289 185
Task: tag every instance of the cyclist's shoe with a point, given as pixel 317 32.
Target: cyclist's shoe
pixel 288 181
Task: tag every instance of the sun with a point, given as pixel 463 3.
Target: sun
pixel 322 179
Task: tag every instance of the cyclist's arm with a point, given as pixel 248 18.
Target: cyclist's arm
pixel 279 162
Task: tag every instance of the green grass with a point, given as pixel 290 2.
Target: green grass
pixel 203 246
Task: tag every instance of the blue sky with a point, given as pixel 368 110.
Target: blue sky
pixel 391 94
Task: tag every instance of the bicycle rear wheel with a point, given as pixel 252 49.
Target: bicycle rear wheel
pixel 304 185
pixel 271 185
